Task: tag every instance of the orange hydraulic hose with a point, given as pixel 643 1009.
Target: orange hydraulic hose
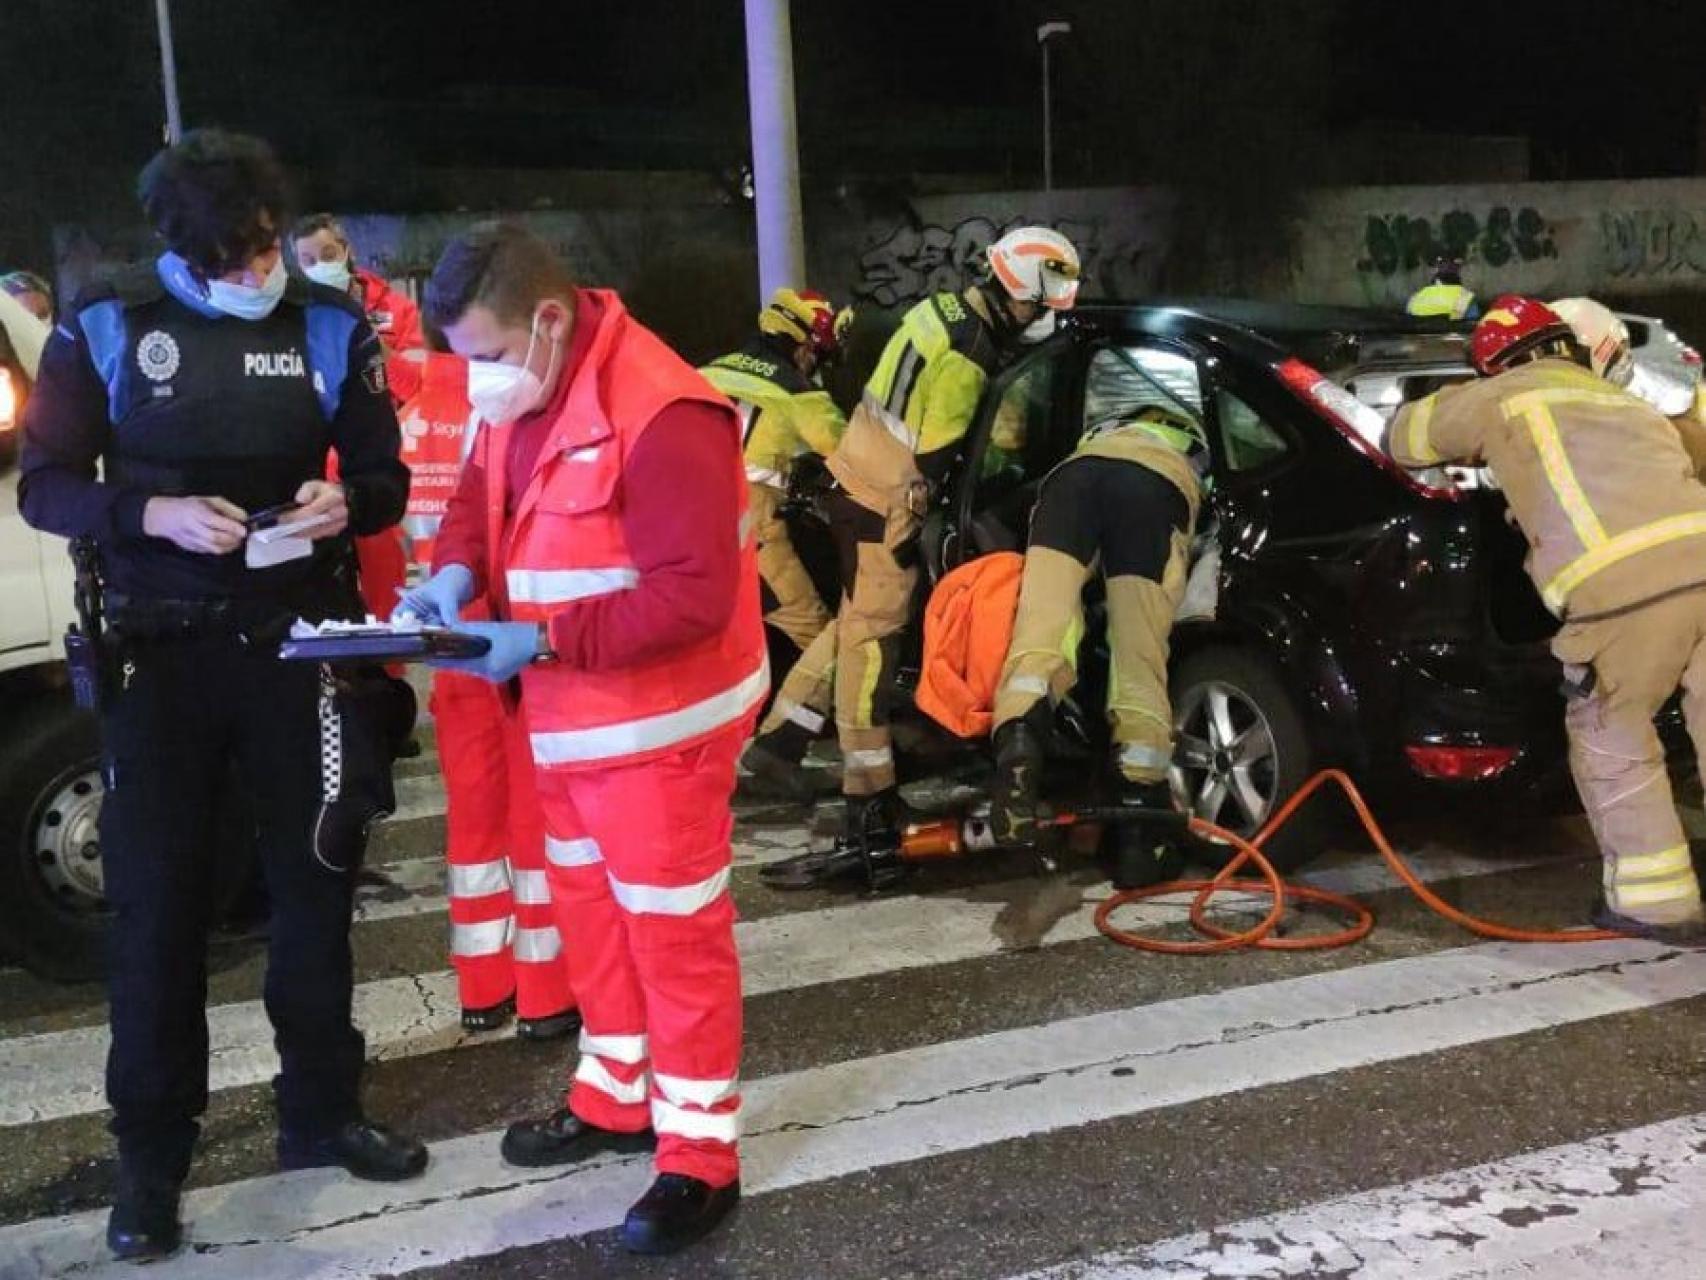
pixel 1260 935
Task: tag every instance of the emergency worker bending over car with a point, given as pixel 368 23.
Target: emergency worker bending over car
pixel 1124 503
pixel 1605 492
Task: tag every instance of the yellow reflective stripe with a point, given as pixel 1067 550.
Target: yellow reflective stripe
pixel 1645 866
pixel 1528 401
pixel 1652 892
pixel 1543 430
pixel 1619 548
pixel 742 386
pixel 865 707
pixel 1418 448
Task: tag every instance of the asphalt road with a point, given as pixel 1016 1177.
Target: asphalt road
pixel 962 1078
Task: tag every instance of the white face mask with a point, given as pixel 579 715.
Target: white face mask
pixel 1041 328
pixel 245 301
pixel 501 392
pixel 336 274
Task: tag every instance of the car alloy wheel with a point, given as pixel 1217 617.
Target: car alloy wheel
pixel 66 840
pixel 1225 765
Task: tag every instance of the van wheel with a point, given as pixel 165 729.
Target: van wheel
pixel 53 909
pixel 1240 751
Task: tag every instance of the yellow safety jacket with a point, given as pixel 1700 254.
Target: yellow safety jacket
pixel 1600 482
pixel 783 413
pixel 919 402
pixel 1450 300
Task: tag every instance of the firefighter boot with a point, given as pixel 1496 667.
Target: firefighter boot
pixel 1146 850
pixel 1019 759
pixel 773 765
pixel 869 846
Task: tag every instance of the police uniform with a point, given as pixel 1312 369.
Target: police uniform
pixel 172 397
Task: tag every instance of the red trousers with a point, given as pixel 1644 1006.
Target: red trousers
pixel 503 933
pixel 382 567
pixel 638 858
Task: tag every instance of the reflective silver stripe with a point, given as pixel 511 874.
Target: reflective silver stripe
pixel 743 531
pixel 682 900
pixel 1029 684
pixel 572 746
pixel 748 415
pixel 484 939
pixel 871 758
pixel 535 946
pixel 896 427
pixel 532 888
pixel 802 715
pixel 559 586
pixel 697 1093
pixel 421 526
pixel 590 1071
pixel 477 879
pixel 629 1050
pixel 696 1126
pixel 572 853
pixel 1142 757
pixel 766 475
pixel 905 378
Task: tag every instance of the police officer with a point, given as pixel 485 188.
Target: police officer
pixel 207 388
pixel 1126 503
pixel 785 413
pixel 1445 296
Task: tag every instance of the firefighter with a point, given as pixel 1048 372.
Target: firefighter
pixel 901 442
pixel 1444 295
pixel 1123 504
pixel 775 383
pixel 604 516
pixel 1602 487
pixel 208 386
pixel 504 943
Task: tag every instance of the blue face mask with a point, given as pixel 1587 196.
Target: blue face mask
pixel 246 302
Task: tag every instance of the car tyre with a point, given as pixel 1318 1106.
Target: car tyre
pixel 1241 750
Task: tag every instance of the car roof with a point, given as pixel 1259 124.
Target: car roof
pixel 1266 331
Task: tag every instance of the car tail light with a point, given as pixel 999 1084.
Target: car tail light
pixel 1355 421
pixel 1690 356
pixel 1460 764
pixel 8 400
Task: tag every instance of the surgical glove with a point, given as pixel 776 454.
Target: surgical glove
pixel 438 601
pixel 514 645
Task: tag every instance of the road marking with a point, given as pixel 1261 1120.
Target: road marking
pixel 61 1073
pixel 849 1117
pixel 1579 1212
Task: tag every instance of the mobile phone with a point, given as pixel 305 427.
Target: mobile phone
pixel 269 517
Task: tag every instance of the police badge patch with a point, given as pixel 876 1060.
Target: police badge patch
pixel 157 355
pixel 373 376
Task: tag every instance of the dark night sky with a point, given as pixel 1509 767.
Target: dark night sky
pixel 1164 89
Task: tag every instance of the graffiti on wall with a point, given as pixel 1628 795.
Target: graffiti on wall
pixel 1654 242
pixel 1398 243
pixel 913 261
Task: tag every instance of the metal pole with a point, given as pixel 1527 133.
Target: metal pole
pixel 775 146
pixel 1048 129
pixel 1043 33
pixel 169 71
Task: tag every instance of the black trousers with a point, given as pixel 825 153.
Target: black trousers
pixel 187 708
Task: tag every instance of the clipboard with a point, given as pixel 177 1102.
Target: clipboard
pixel 383 644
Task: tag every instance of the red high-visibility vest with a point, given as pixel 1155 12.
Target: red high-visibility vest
pixel 438 429
pixel 565 543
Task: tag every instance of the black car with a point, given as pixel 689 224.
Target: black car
pixel 1342 611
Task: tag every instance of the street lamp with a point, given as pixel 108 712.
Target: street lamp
pixel 169 71
pixel 1045 31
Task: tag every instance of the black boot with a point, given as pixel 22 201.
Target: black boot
pixel 564 1138
pixel 144 1226
pixel 491 1017
pixel 1146 851
pixel 364 1148
pixel 1019 759
pixel 773 765
pixel 554 1027
pixel 868 847
pixel 1690 934
pixel 676 1211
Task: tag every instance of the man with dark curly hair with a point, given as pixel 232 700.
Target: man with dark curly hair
pixel 208 389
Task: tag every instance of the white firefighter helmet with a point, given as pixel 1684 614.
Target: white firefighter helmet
pixel 1036 264
pixel 1605 337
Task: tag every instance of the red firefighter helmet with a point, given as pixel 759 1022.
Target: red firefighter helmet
pixel 1513 326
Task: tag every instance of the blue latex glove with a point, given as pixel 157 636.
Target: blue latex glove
pixel 438 601
pixel 514 645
